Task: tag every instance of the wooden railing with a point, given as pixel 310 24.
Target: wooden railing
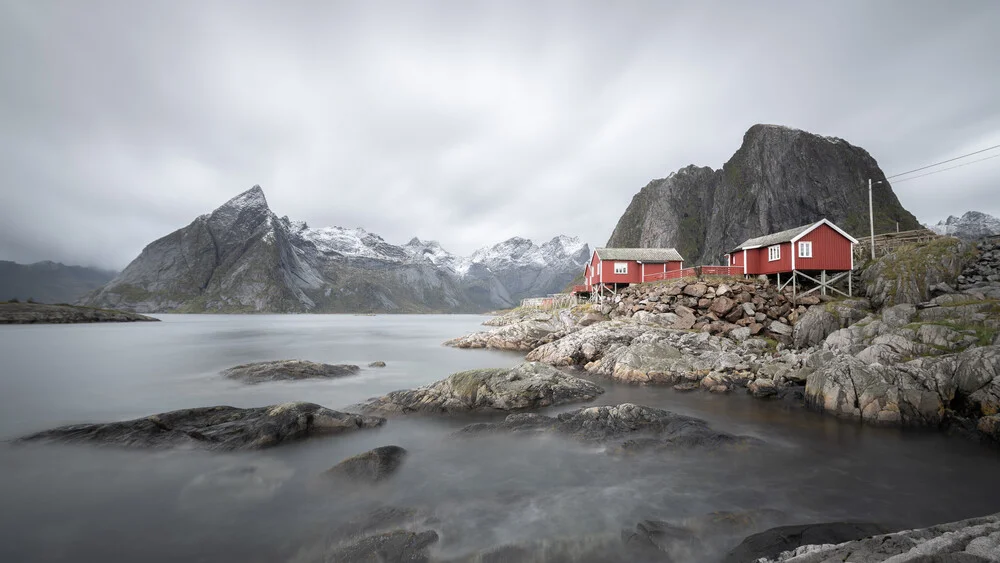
pixel 671 275
pixel 887 242
pixel 695 272
pixel 555 301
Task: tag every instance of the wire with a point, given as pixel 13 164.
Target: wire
pixel 940 163
pixel 945 169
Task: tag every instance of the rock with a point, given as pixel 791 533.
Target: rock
pixel 763 388
pixel 371 466
pixel 722 305
pixel 587 344
pixel 756 328
pixel 822 321
pixel 288 370
pixel 390 547
pixel 591 318
pixel 808 300
pixel 520 336
pixel 781 328
pixel 723 289
pixel 740 334
pixel 770 543
pixel 972 540
pixel 250 482
pixel 378 364
pixel 222 428
pixel 642 428
pixel 907 274
pixel 695 289
pixel 530 385
pixel 37 313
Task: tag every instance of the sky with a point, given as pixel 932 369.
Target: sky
pixel 463 122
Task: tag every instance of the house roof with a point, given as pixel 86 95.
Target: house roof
pixel 640 254
pixel 791 235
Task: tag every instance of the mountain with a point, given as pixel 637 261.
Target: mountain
pixel 779 178
pixel 971 226
pixel 49 282
pixel 244 258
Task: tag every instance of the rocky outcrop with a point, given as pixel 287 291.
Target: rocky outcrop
pixel 984 272
pixel 911 272
pixel 772 542
pixel 971 226
pixel 624 428
pixel 739 309
pixel 219 428
pixel 974 540
pixel 823 320
pixel 37 313
pixel 525 329
pixel 779 178
pixel 288 370
pixel 528 386
pixel 371 466
pixel 697 538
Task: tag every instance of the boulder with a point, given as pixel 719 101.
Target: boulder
pixel 378 364
pixel 371 466
pixel 695 289
pixel 907 274
pixel 588 344
pixel 390 547
pixel 778 327
pixel 530 385
pixel 288 370
pixel 625 428
pixel 821 321
pixel 591 318
pixel 221 428
pixel 722 305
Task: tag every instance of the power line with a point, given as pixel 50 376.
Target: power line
pixel 945 169
pixel 942 162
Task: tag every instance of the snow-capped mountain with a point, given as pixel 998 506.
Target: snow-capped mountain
pixel 244 258
pixel 973 225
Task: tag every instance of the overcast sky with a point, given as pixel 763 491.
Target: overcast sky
pixel 465 122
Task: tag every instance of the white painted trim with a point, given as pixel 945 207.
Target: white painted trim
pixel 792 250
pixel 624 266
pixel 810 246
pixel 642 272
pixel 852 256
pixel 777 255
pixel 744 261
pixel 831 225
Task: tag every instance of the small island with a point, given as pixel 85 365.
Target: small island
pixel 13 312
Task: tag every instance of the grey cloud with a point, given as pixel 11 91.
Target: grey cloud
pixel 464 122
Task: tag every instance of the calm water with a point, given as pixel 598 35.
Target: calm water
pixel 63 503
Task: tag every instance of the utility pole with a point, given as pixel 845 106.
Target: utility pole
pixel 871 216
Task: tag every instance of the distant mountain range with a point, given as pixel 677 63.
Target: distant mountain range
pixel 971 226
pixel 780 178
pixel 49 282
pixel 244 258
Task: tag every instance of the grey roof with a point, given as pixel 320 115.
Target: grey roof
pixel 640 254
pixel 774 238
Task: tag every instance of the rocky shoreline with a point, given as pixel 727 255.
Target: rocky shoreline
pixel 40 313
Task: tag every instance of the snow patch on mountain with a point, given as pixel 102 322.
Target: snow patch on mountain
pixel 972 225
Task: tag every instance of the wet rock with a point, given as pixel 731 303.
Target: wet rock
pixel 378 364
pixel 288 370
pixel 625 428
pixel 246 483
pixel 530 385
pixel 222 428
pixel 973 540
pixel 371 466
pixel 771 543
pixel 390 547
pixel 698 538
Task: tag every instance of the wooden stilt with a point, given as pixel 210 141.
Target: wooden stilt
pixel 822 281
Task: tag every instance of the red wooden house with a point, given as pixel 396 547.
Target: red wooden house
pixel 809 251
pixel 614 268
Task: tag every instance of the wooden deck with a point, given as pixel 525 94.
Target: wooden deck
pixel 886 243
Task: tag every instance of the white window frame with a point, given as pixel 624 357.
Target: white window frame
pixel 621 268
pixel 774 253
pixel 805 249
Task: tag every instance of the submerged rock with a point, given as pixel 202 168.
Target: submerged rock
pixel 222 428
pixel 528 386
pixel 282 370
pixel 771 543
pixel 390 547
pixel 373 465
pixel 626 428
pixel 973 540
pixel 378 364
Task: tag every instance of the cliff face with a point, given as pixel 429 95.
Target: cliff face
pixel 778 179
pixel 244 258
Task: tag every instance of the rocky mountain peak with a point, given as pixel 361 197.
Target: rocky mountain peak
pixel 972 225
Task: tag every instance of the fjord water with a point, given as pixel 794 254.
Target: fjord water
pixel 72 503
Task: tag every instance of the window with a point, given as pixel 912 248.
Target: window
pixel 774 253
pixel 805 249
pixel 621 267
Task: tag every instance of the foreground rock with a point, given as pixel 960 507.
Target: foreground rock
pixel 528 386
pixel 624 428
pixel 288 370
pixel 698 538
pixel 526 329
pixel 823 320
pixel 220 428
pixel 773 542
pixel 967 541
pixel 38 313
pixel 371 466
pixel 390 547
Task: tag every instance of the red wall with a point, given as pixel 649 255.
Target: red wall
pixel 635 271
pixel 757 262
pixel 831 251
pixel 634 274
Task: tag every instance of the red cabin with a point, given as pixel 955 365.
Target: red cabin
pixel 612 268
pixel 811 250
